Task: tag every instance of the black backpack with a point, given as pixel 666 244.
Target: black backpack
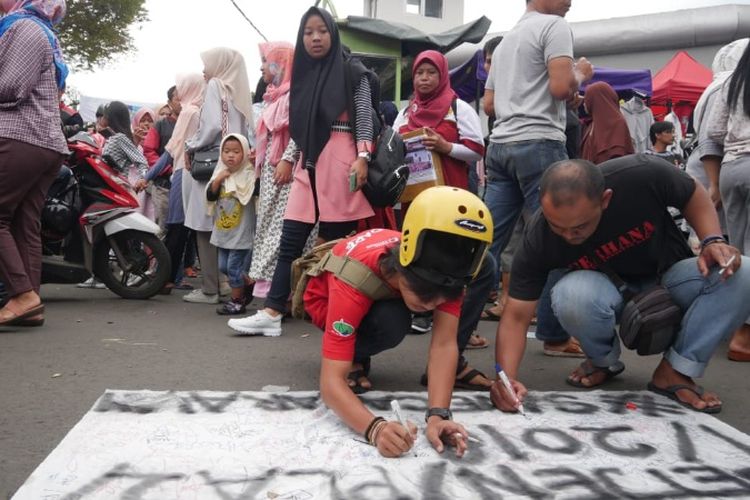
pixel 387 172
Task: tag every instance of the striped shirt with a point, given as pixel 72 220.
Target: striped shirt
pixel 29 109
pixel 363 132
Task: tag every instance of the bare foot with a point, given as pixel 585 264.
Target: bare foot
pixel 665 376
pixel 587 375
pixel 739 346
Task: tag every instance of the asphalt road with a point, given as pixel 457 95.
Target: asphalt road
pixel 51 376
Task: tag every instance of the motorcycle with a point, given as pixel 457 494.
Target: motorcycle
pixel 90 226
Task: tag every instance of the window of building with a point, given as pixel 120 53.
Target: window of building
pixel 427 8
pixel 433 8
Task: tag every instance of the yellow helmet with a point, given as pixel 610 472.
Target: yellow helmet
pixel 445 235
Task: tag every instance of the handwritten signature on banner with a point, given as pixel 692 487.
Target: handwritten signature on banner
pixel 241 445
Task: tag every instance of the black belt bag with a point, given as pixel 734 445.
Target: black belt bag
pixel 650 319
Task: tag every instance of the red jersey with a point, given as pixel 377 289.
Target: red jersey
pixel 337 308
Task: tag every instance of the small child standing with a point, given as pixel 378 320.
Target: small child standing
pixel 229 194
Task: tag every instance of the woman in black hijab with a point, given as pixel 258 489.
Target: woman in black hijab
pixel 331 126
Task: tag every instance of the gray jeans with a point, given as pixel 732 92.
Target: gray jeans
pixel 734 183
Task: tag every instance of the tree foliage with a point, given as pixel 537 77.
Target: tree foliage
pixel 94 32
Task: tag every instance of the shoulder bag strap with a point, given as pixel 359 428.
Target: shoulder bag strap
pixel 357 275
pixel 224 117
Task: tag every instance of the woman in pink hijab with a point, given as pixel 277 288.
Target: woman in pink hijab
pixel 274 172
pixel 142 122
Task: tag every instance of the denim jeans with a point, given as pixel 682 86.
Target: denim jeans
pixel 513 174
pixel 588 305
pixel 235 264
pixel 514 171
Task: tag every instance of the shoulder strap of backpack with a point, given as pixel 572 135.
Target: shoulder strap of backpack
pixel 356 274
pixel 454 108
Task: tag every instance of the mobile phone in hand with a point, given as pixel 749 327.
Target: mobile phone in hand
pixel 352 182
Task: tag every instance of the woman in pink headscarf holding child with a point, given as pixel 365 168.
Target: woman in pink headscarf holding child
pixel 274 171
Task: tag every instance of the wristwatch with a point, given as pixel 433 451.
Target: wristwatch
pixel 443 413
pixel 364 154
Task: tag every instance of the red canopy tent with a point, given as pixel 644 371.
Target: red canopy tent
pixel 681 81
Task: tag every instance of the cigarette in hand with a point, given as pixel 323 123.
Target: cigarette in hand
pixel 726 266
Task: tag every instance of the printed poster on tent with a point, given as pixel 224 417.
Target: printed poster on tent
pixel 425 168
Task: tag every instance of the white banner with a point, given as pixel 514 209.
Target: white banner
pixel 247 445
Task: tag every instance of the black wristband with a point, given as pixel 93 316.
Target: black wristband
pixel 370 427
pixel 708 240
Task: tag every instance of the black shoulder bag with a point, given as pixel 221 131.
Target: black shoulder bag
pixel 204 161
pixel 650 319
pixel 387 172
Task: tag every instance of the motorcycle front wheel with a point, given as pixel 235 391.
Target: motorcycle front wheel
pixel 146 264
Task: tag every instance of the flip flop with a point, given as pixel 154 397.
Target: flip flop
pixel 16 318
pixel 480 342
pixel 589 369
pixel 740 356
pixel 355 375
pixel 466 384
pixel 671 393
pixel 572 350
pixel 488 315
pixel 32 321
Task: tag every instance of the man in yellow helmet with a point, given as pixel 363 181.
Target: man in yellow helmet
pixel 437 263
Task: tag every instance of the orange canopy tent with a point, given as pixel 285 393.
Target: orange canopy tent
pixel 681 81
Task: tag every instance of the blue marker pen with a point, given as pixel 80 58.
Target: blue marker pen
pixel 506 382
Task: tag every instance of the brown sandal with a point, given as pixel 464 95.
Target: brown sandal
pixel 17 318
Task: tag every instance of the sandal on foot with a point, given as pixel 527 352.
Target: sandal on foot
pixel 671 393
pixel 356 375
pixel 572 350
pixel 488 315
pixel 466 384
pixel 477 342
pixel 28 313
pixel 32 321
pixel 589 369
pixel 739 356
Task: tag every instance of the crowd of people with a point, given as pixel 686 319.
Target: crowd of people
pixel 583 223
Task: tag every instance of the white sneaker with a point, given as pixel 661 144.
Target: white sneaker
pixel 92 283
pixel 198 297
pixel 260 323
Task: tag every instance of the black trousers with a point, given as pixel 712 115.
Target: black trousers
pixel 294 235
pixel 389 321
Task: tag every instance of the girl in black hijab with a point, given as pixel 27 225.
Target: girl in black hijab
pixel 331 125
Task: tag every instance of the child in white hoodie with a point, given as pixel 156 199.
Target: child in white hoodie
pixel 229 194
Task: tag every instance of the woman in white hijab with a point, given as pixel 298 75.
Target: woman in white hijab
pixel 226 110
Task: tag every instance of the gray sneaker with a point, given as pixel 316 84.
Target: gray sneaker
pixel 198 297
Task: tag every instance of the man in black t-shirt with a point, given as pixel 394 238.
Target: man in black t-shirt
pixel 617 214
